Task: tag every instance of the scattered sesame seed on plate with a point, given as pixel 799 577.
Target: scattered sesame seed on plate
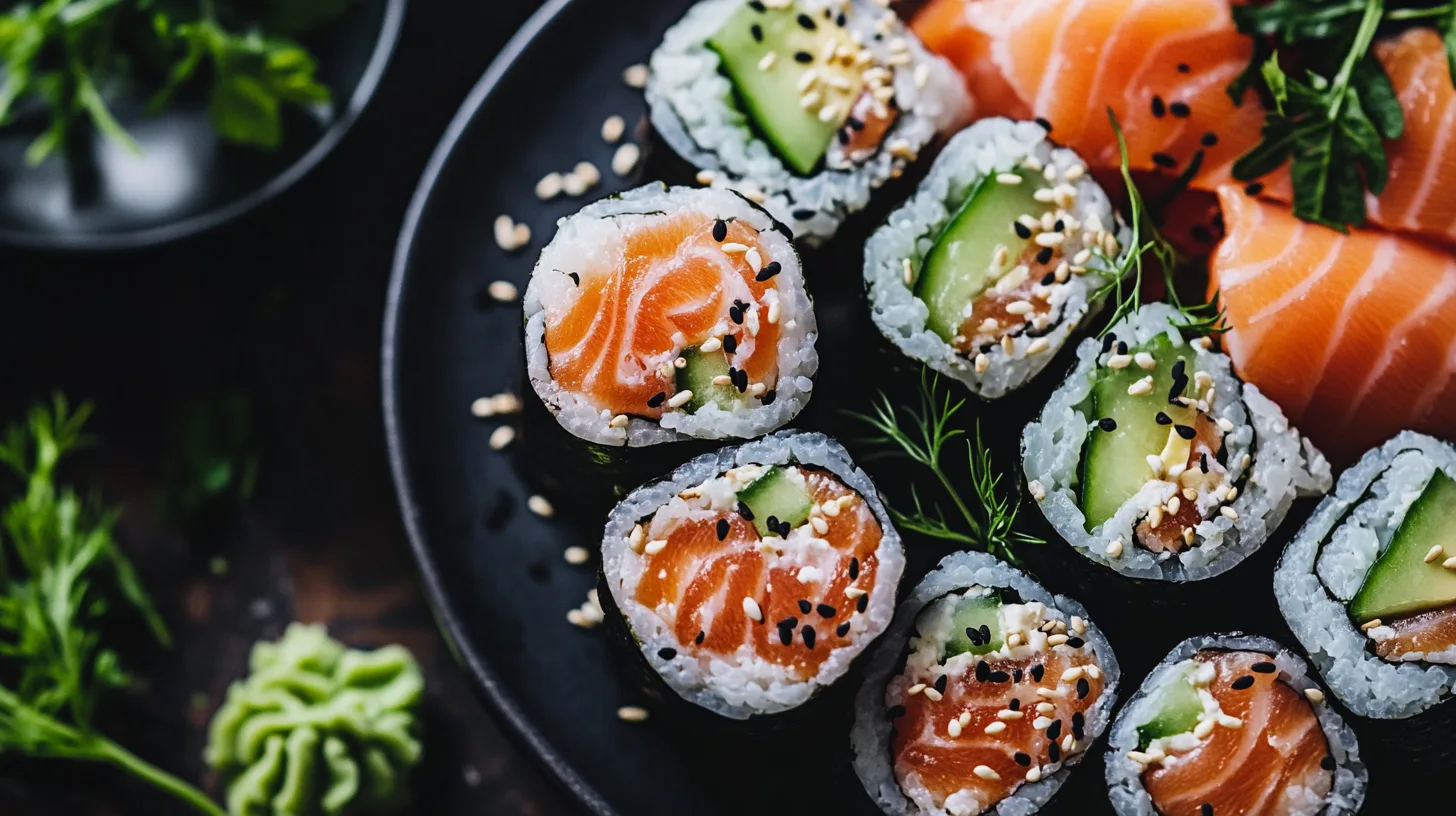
pixel 540 506
pixel 625 160
pixel 502 291
pixel 577 555
pixel 635 76
pixel 549 186
pixel 632 714
pixel 613 128
pixel 502 437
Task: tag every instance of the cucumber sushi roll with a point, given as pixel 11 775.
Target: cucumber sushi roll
pixel 990 267
pixel 752 577
pixel 1232 725
pixel 666 314
pixel 1369 585
pixel 1155 460
pixel 984 694
pixel 806 105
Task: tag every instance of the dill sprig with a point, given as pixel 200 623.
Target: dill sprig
pixel 59 566
pixel 989 516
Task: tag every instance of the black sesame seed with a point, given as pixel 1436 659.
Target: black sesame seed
pixel 1037 671
pixel 807 23
pixel 863 603
pixel 895 712
pixel 1000 677
pixel 854 123
pixel 1107 424
pixel 700 638
pixel 803 57
pixel 730 343
pixel 808 633
pixel 1079 721
pixel 657 399
pixel 1045 125
pixel 843 629
pixel 1044 255
pixel 1264 667
pixel 784 527
pixel 667 653
pixel 1083 688
pixel 790 622
pixel 720 231
pixel 769 270
pixel 983 672
pixel 575 278
pixel 757 6
pixel 1054 731
pixel 1183 68
pixel 1253 188
pixel 735 314
pixel 1328 763
pixel 1121 347
pixel 1076 642
pixel 1048 279
pixel 974 636
pixel 1016 675
pixel 1205 809
pixel 1158 107
pixel 1163 419
pixel 1180 368
pixel 853 568
pixel 768 397
pixel 1022 230
pixel 722 529
pixel 1203 462
pixel 1179 109
pixel 841 20
pixel 745 511
pixel 1164 160
pixel 802 215
pixel 804 606
pixel 1054 752
pixel 1022 759
pixel 757 31
pixel 1202 234
pixel 1185 431
pixel 1209 139
pixel 1242 683
pixel 1014 705
pixel 1059 226
pixel 786 633
pixel 1107 343
pixel 941 682
pixel 825 610
pixel 985 633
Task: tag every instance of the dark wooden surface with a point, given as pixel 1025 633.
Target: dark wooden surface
pixel 284 307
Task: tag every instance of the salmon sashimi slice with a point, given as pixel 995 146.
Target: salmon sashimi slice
pixel 975 728
pixel 1429 637
pixel 1354 335
pixel 669 284
pixel 733 594
pixel 1267 743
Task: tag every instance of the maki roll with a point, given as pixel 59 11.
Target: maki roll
pixel 985 692
pixel 665 314
pixel 1369 585
pixel 1232 725
pixel 805 105
pixel 985 273
pixel 752 577
pixel 1155 460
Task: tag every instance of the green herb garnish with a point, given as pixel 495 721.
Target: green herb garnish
pixel 63 54
pixel 59 567
pixel 990 516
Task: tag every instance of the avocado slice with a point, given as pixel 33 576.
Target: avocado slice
pixel 1114 465
pixel 770 95
pixel 1401 582
pixel 1177 705
pixel 958 267
pixel 971 614
pixel 697 376
pixel 775 496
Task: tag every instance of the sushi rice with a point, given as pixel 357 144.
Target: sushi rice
pixel 589 238
pixel 987 148
pixel 1324 566
pixel 1124 775
pixel 873 729
pixel 747 686
pixel 1282 466
pixel 693 107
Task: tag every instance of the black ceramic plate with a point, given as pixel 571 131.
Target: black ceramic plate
pixel 185 179
pixel 495 572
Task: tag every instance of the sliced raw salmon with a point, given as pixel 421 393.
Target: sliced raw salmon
pixel 1278 745
pixel 671 285
pixel 1353 335
pixel 1426 633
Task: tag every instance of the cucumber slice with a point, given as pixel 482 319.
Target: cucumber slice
pixel 771 96
pixel 774 497
pixel 1177 706
pixel 971 614
pixel 1401 582
pixel 697 376
pixel 958 267
pixel 1115 463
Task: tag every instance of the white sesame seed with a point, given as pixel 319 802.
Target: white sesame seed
pixel 722 379
pixel 915 689
pixel 1155 463
pixel 624 161
pixel 829 113
pixel 810 101
pixel 505 233
pixel 750 608
pixel 985 772
pixel 1019 307
pixel 655 546
pixel 1033 775
pixel 964 719
pixel 1155 516
pixel 540 506
pixel 1068 743
pixel 1449 563
pixel 1139 757
pixel 1013 640
pixel 853 593
pixel 502 291
pixel 1230 722
pixel 613 128
pixel 521 235
pixel 1071 675
pixel 1229 513
pixel 501 437
pixel 734 248
pixel 1056 640
pixel 932 694
pixel 1119 361
pixel 1050 239
pixel 711 345
pixel 1050 694
pixel 1041 722
pixel 632 714
pixel 1008 714
pixel 1044 195
pixel 549 186
pixel 1190 494
pixel 588 173
pixel 1245 461
pixel 1114 549
pixel 680 399
pixel 1081 258
pixel 1314 695
pixel 1038 345
pixel 768 60
pixel 619 421
pixel 1074 172
pixel 1038 491
pixel 1203 729
pixel 1368 625
pixel 1141 387
pixel 982 363
pixel 1434 553
pixel 635 76
pixel 577 555
pixel 953 728
pixel 706 177
pixel 1174 504
pixel 754 259
pixel 1145 361
pixel 995 728
pixel 817 522
pixel 1008 178
pixel 574 185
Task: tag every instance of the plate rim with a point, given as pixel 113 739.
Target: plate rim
pixel 384 48
pixel 483 678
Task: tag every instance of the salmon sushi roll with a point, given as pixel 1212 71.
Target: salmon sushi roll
pixel 751 578
pixel 666 314
pixel 1369 585
pixel 1232 725
pixel 988 270
pixel 985 693
pixel 1154 460
pixel 808 106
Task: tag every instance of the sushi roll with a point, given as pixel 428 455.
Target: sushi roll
pixel 1369 585
pixel 751 578
pixel 1232 725
pixel 984 694
pixel 666 314
pixel 1155 460
pixel 985 273
pixel 808 106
